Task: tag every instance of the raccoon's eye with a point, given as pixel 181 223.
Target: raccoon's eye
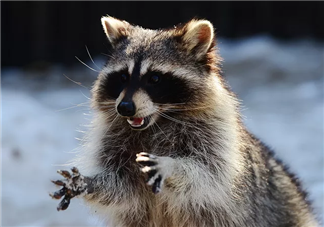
pixel 123 78
pixel 154 79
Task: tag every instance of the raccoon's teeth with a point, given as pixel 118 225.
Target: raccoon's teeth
pixel 135 122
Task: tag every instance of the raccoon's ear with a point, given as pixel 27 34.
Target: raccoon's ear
pixel 197 37
pixel 115 29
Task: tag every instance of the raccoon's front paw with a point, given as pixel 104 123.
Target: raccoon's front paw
pixel 73 185
pixel 157 169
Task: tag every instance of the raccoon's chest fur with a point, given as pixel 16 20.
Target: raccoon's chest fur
pixel 135 205
pixel 175 140
pixel 139 206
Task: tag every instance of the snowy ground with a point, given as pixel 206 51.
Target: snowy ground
pixel 280 85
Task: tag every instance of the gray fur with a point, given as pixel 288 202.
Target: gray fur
pixel 216 172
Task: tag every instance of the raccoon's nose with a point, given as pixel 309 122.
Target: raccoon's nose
pixel 126 109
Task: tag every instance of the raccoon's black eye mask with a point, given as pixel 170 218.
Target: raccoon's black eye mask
pixel 166 88
pixel 162 88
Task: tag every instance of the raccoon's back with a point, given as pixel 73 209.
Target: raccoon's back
pixel 273 194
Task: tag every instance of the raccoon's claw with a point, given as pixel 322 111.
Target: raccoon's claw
pixel 146 159
pixel 73 185
pixel 156 186
pixel 152 168
pixel 64 173
pixel 75 171
pixel 58 194
pixel 58 182
pixel 64 204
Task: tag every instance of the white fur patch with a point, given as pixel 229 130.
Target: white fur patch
pixel 143 103
pixel 145 64
pixel 176 70
pixel 131 65
pixel 113 68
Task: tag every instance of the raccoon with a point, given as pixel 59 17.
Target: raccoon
pixel 167 146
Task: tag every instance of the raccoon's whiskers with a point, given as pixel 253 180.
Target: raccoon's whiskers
pixel 110 114
pixel 153 129
pixel 171 110
pixel 78 83
pixel 91 58
pixel 86 65
pixel 111 124
pixel 170 118
pixel 85 104
pixel 175 109
pixel 120 164
pixel 168 104
pixel 85 96
pixel 108 55
pixel 107 103
pixel 162 132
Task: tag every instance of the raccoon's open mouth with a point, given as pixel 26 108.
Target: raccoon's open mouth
pixel 139 123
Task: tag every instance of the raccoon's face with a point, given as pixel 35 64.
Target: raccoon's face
pixel 153 73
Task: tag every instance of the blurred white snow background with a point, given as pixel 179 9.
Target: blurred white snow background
pixel 280 85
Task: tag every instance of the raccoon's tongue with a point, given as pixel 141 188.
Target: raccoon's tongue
pixel 135 122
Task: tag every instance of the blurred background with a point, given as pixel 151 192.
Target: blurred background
pixel 273 59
